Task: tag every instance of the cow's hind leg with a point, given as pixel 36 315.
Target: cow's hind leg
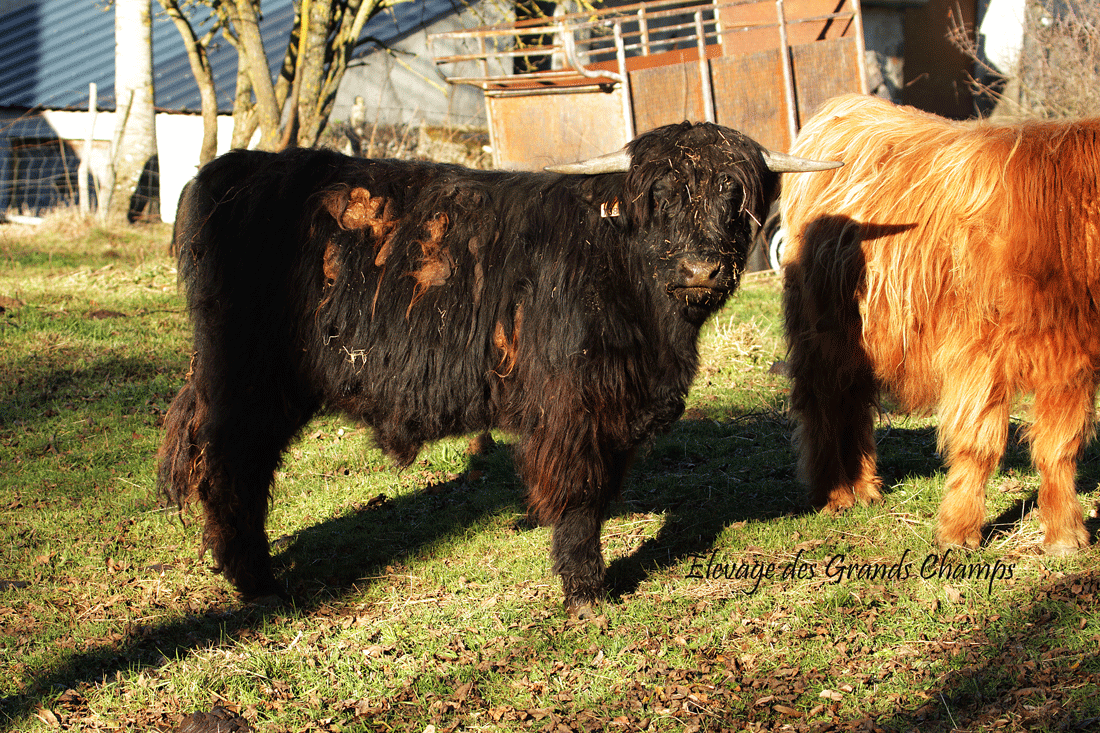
pixel 973 432
pixel 1062 423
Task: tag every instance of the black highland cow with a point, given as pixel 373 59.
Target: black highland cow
pixel 430 300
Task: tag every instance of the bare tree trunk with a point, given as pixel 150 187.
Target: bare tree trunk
pixel 311 69
pixel 204 76
pixel 253 58
pixel 244 119
pixel 328 60
pixel 135 130
pixel 324 36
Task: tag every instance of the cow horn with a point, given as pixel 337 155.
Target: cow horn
pixel 783 163
pixel 617 162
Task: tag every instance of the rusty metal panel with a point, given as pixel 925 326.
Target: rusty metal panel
pixel 530 132
pixel 823 70
pixel 666 94
pixel 748 96
pixel 751 27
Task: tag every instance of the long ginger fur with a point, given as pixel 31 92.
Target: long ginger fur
pixel 955 265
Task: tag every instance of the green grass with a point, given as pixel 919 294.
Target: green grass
pixel 424 597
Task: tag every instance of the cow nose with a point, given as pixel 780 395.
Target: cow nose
pixel 700 273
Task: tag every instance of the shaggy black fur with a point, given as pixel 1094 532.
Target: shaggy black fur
pixel 431 300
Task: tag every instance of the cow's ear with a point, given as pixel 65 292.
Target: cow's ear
pixel 601 196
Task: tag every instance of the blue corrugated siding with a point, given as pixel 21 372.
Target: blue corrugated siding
pixel 51 49
pixel 34 72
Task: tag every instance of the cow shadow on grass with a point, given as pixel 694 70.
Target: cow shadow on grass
pixel 336 557
pixel 1033 667
pixel 320 564
pixel 704 476
pixel 707 475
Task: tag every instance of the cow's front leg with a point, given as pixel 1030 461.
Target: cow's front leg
pixel 578 558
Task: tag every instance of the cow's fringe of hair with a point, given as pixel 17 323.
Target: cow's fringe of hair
pixel 956 264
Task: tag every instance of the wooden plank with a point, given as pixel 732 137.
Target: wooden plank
pixel 534 131
pixel 748 96
pixel 739 40
pixel 823 70
pixel 666 94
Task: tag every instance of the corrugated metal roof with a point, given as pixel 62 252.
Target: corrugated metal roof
pixel 50 50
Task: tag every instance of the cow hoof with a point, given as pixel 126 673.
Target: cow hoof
pixel 583 612
pixel 869 493
pixel 265 594
pixel 271 600
pixel 1062 541
pixel 838 505
pixel 1063 548
pixel 964 542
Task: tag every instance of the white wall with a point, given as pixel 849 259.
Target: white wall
pixel 1002 31
pixel 179 138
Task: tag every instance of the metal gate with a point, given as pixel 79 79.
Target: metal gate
pixel 579 85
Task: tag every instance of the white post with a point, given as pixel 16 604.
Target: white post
pixel 704 68
pixel 788 73
pixel 624 83
pixel 86 154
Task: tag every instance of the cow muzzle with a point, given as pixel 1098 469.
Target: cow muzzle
pixel 699 281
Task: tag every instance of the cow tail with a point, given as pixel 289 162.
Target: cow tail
pixel 180 463
pixel 181 468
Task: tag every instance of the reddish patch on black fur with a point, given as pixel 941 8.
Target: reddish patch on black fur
pixel 508 345
pixel 356 209
pixel 332 263
pixel 436 263
pixel 331 269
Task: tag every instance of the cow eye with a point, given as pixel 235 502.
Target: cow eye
pixel 664 193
